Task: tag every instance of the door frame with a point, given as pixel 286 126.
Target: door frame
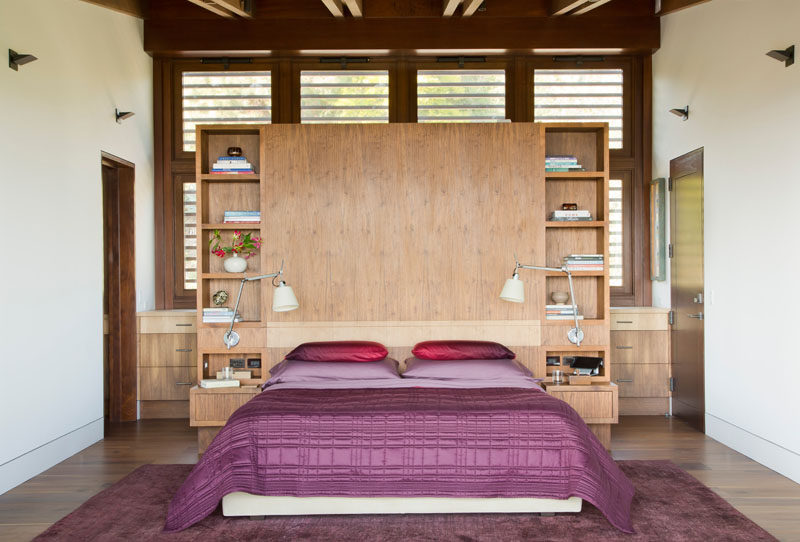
pixel 119 285
pixel 681 166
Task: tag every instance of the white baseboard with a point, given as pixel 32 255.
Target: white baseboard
pixel 769 454
pixel 38 460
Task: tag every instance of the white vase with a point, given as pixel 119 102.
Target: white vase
pixel 234 264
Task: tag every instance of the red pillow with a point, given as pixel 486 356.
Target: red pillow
pixel 461 350
pixel 339 351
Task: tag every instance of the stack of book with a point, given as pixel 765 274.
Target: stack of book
pixel 217 315
pixel 562 163
pixel 561 215
pixel 218 383
pixel 242 217
pixel 560 312
pixel 232 165
pixel 584 262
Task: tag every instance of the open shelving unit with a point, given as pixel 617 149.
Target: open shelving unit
pixel 216 194
pixel 589 189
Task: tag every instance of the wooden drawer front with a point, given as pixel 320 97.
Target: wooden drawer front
pixel 216 408
pixel 642 380
pixel 166 383
pixel 633 321
pixel 167 349
pixel 593 407
pixel 640 347
pixel 168 324
pixel 249 337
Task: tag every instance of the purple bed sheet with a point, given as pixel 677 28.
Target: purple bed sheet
pixel 405 442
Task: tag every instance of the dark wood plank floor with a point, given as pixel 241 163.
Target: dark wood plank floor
pixel 767 498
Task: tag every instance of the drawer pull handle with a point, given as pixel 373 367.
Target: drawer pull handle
pixel 183 325
pixel 624 347
pixel 184 383
pixel 183 349
pixel 624 321
pixel 624 380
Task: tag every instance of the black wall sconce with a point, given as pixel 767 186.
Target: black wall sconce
pixel 15 59
pixel 786 55
pixel 122 115
pixel 683 113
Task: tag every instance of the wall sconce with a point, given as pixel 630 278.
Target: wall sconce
pixel 514 291
pixel 15 59
pixel 122 115
pixel 683 113
pixel 283 300
pixel 786 56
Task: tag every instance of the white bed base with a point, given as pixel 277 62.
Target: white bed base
pixel 247 504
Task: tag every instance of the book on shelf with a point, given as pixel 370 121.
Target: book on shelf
pixel 217 315
pixel 217 383
pixel 563 213
pixel 570 219
pixel 584 262
pixel 562 163
pixel 232 164
pixel 562 317
pixel 244 217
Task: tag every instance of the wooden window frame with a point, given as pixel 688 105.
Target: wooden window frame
pixel 173 165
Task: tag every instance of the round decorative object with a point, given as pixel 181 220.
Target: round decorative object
pixel 234 151
pixel 559 298
pixel 220 298
pixel 234 264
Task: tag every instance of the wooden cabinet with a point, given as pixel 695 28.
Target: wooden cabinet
pixel 640 352
pixel 167 362
pixel 597 404
pixel 211 408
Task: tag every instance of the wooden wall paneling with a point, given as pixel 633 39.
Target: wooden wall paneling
pixel 554 332
pixel 406 195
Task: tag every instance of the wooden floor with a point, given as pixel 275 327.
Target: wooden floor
pixel 767 498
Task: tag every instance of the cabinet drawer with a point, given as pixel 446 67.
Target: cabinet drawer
pixel 593 407
pixel 638 321
pixel 214 407
pixel 167 349
pixel 166 383
pixel 642 380
pixel 168 324
pixel 640 347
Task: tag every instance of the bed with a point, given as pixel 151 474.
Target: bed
pixel 403 445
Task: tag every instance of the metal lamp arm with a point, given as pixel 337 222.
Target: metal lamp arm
pixel 577 332
pixel 231 338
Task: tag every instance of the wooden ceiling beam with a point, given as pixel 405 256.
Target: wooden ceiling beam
pixel 355 7
pixel 449 7
pixel 213 8
pixel 128 7
pixel 237 7
pixel 562 7
pixel 335 7
pixel 470 7
pixel 589 6
pixel 671 6
pixel 523 34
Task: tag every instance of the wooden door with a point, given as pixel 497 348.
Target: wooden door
pixel 686 234
pixel 119 296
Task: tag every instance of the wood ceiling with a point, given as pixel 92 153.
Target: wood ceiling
pixel 211 27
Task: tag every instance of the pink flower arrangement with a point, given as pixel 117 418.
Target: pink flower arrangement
pixel 241 244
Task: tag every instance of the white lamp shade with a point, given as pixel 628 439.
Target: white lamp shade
pixel 283 298
pixel 513 291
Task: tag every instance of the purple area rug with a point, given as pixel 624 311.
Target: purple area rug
pixel 669 505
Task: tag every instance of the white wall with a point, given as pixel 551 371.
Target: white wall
pixel 56 116
pixel 745 112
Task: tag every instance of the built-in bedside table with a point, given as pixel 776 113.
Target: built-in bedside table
pixel 597 404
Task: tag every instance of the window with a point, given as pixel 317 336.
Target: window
pixel 344 96
pixel 615 255
pixel 223 98
pixel 189 236
pixel 461 95
pixel 580 95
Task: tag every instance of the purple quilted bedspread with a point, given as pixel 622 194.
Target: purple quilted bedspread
pixel 491 442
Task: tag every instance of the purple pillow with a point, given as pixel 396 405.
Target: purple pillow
pixel 450 350
pixel 346 351
pixel 469 369
pixel 292 370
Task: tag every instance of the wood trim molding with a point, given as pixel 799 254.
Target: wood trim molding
pixel 671 6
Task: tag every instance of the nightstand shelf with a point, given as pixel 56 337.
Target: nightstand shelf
pixel 597 404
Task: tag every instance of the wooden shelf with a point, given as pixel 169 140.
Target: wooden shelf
pixel 579 175
pixel 250 177
pixel 238 226
pixel 575 224
pixel 232 276
pixel 573 348
pixel 570 323
pixel 248 323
